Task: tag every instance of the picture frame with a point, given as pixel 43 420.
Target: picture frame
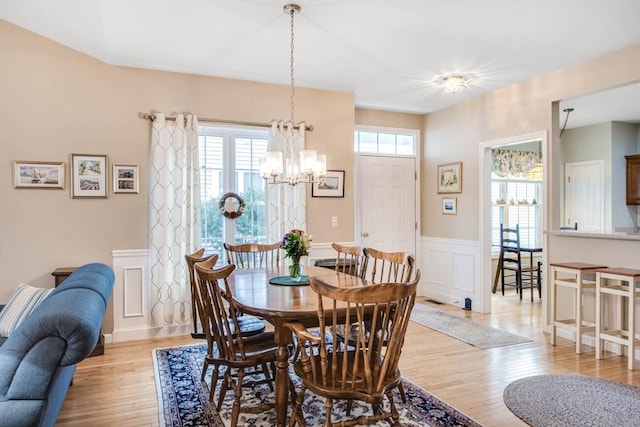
pixel 89 176
pixel 450 205
pixel 36 174
pixel 330 185
pixel 449 178
pixel 125 179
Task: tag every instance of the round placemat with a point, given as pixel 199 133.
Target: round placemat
pixel 286 281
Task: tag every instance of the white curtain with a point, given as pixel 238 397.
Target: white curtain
pixel 286 204
pixel 174 216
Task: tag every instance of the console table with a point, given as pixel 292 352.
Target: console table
pixel 60 275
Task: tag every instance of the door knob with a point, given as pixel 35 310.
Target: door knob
pixel 365 234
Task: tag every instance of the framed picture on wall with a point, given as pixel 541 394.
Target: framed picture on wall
pixel 450 178
pixel 89 176
pixel 330 185
pixel 38 174
pixel 125 179
pixel 450 205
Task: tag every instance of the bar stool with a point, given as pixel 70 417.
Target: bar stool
pixel 621 283
pixel 574 277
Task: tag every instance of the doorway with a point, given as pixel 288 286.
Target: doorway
pixel 486 205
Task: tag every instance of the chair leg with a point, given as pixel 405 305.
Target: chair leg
pixel 402 393
pixel 237 391
pixel 540 279
pixel 328 408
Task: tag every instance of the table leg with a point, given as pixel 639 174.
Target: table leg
pixel 282 339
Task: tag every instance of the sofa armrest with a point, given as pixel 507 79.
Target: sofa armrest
pixel 60 332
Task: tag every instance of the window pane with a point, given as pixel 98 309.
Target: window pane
pixel 406 144
pixel 250 227
pixel 368 142
pixel 386 143
pixel 520 208
pixel 233 153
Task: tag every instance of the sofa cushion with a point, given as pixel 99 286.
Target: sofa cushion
pixel 22 302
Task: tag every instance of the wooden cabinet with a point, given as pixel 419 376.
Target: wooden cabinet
pixel 633 179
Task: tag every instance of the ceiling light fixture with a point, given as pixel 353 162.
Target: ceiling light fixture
pixel 454 82
pixel 311 166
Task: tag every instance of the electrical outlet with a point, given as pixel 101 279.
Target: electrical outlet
pixel 334 222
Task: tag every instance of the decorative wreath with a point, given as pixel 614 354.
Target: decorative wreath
pixel 231 214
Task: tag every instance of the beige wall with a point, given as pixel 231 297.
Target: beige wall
pixel 454 134
pixel 388 119
pixel 55 101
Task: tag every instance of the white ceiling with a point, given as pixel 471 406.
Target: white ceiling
pixel 388 53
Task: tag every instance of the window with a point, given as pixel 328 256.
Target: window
pixel 391 142
pixel 516 202
pixel 229 158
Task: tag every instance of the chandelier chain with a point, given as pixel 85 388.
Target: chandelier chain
pixel 291 69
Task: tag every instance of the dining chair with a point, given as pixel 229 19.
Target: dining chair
pixel 197 256
pixel 350 260
pixel 515 268
pixel 385 267
pixel 366 371
pixel 236 352
pixel 253 255
pixel 388 267
pixel 247 325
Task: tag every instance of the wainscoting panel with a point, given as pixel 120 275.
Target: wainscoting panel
pixel 130 295
pixel 133 291
pixel 450 271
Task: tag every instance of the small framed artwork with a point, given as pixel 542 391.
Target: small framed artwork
pixel 330 185
pixel 450 205
pixel 89 176
pixel 38 174
pixel 450 178
pixel 125 179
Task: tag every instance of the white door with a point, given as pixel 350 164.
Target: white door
pixel 388 203
pixel 584 195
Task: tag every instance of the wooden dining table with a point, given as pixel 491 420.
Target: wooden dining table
pixel 279 304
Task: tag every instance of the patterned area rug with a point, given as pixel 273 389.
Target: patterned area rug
pixel 573 400
pixel 466 330
pixel 183 398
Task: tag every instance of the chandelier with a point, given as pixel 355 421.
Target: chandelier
pixel 454 83
pixel 310 166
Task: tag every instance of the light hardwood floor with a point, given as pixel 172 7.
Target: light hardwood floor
pixel 118 389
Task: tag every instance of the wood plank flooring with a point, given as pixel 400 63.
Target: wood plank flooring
pixel 118 388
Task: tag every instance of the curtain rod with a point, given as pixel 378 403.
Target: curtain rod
pixel 152 117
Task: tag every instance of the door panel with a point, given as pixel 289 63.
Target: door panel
pixel 584 195
pixel 388 203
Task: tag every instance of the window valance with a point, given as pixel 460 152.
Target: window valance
pixel 514 163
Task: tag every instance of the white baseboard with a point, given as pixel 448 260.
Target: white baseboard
pixel 134 334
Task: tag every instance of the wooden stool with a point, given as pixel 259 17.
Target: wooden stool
pixel 576 280
pixel 621 283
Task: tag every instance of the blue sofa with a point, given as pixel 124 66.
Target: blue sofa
pixel 38 359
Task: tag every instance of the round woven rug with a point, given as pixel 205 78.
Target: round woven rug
pixel 573 400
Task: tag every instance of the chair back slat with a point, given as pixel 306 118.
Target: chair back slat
pixel 253 255
pixel 389 267
pixel 350 260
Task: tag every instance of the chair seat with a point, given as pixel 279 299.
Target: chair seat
pixel 250 325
